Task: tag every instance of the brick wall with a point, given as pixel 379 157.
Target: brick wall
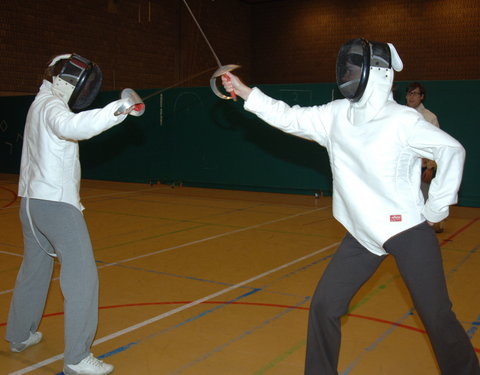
pixel 296 41
pixel 137 43
pixel 155 43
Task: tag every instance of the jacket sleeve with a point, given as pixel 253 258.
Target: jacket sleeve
pixel 83 125
pixel 304 122
pixel 430 142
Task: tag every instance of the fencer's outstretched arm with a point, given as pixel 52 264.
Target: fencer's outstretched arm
pixel 236 85
pixel 85 124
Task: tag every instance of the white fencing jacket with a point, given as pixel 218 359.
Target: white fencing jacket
pixel 50 165
pixel 375 165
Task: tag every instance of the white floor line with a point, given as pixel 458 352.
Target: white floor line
pixel 196 242
pixel 9 253
pixel 84 198
pixel 178 309
pixel 213 237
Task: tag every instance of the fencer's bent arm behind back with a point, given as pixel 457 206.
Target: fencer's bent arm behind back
pixel 379 160
pixel 430 142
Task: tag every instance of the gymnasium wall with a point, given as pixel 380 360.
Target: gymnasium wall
pixel 189 136
pixel 155 43
pixel 137 43
pixel 296 41
pixel 288 47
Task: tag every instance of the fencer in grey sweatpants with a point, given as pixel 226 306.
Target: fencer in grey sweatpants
pixel 60 228
pixel 418 257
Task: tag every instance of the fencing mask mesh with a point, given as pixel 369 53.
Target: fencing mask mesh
pixel 78 83
pixel 354 61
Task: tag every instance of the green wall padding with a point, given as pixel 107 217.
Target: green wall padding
pixel 189 136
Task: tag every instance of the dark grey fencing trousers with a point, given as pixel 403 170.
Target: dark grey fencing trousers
pixel 61 228
pixel 418 257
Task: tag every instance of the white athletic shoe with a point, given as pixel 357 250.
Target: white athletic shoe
pixel 34 338
pixel 89 365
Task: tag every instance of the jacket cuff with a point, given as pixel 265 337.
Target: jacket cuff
pixel 432 215
pixel 254 100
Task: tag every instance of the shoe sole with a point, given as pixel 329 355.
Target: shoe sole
pixel 73 372
pixel 15 350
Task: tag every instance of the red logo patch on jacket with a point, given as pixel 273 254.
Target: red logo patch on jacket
pixel 395 218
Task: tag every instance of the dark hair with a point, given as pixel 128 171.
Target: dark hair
pixel 54 70
pixel 414 85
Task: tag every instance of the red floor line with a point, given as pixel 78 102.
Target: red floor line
pixel 445 241
pixel 250 304
pixel 448 239
pixel 388 322
pixel 15 196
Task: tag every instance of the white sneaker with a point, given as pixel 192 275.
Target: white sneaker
pixel 89 365
pixel 33 339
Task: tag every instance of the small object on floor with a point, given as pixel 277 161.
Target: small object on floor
pixel 89 365
pixel 33 339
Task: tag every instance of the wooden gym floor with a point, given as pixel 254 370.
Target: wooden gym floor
pixel 204 281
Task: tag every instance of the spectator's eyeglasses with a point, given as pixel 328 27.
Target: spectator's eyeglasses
pixel 415 93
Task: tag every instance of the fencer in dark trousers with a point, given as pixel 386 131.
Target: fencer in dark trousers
pixel 51 213
pixel 375 148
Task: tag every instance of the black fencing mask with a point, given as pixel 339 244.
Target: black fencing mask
pixel 354 61
pixel 79 81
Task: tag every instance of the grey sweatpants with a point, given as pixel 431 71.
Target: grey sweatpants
pixel 418 257
pixel 61 228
